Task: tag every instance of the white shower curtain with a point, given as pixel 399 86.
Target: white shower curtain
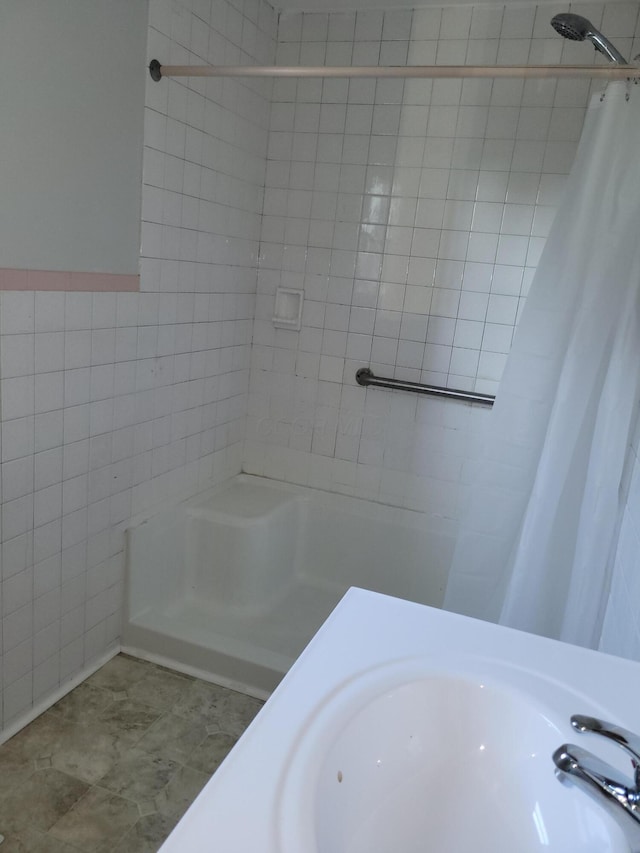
pixel 535 544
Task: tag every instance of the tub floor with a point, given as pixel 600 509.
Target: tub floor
pixel 203 577
pixel 271 638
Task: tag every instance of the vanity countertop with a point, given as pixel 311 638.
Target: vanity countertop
pixel 370 644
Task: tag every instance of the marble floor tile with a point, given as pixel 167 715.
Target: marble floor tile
pixel 174 737
pixel 139 776
pixel 147 835
pixel 38 738
pixel 99 818
pixel 128 720
pixel 120 673
pixel 87 752
pixel 234 711
pixel 223 709
pixel 160 688
pixel 40 801
pixel 198 701
pixel 15 768
pixel 82 704
pixel 181 791
pixel 112 766
pixel 210 754
pixel 33 841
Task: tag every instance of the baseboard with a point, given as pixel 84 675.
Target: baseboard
pixel 196 672
pixel 44 704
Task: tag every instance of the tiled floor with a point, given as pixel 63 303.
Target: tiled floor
pixel 112 767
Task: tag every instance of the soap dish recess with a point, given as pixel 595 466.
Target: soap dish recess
pixel 288 308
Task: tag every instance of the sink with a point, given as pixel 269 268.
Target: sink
pixel 406 760
pixel 406 729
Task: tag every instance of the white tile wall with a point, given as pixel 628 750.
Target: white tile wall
pixel 112 402
pixel 412 214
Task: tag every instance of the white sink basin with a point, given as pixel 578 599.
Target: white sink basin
pixel 400 761
pixel 403 729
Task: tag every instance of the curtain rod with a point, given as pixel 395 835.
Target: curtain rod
pixel 606 72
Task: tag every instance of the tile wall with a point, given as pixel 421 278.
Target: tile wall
pixel 412 214
pixel 113 402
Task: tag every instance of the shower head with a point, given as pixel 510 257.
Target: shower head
pixel 577 28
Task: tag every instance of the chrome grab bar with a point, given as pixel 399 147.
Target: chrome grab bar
pixel 365 376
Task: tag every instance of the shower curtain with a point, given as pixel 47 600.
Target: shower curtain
pixel 538 537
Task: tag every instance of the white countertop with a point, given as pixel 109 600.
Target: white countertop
pixel 240 809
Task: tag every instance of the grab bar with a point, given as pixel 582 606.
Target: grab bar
pixel 365 376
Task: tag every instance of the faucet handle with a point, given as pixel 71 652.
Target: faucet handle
pixel 600 780
pixel 624 738
pixel 578 762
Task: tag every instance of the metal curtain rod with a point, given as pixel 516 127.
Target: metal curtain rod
pixel 365 376
pixel 607 72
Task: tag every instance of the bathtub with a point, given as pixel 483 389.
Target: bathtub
pixel 232 585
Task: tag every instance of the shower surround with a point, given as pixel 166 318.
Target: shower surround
pixel 412 213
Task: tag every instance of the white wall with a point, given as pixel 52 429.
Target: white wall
pixel 71 134
pixel 113 402
pixel 482 190
pixel 412 214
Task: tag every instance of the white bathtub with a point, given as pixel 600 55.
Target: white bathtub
pixel 233 584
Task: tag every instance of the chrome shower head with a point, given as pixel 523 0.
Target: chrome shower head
pixel 573 27
pixel 577 28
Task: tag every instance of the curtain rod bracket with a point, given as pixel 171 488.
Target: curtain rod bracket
pixel 155 70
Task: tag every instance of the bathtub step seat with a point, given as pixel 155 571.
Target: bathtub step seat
pixel 234 583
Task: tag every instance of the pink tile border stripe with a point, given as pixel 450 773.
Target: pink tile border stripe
pixel 11 279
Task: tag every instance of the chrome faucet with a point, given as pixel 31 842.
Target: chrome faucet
pixel 620 797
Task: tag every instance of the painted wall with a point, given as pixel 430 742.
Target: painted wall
pixel 71 134
pixel 114 402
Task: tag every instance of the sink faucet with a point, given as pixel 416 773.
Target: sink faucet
pixel 620 797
